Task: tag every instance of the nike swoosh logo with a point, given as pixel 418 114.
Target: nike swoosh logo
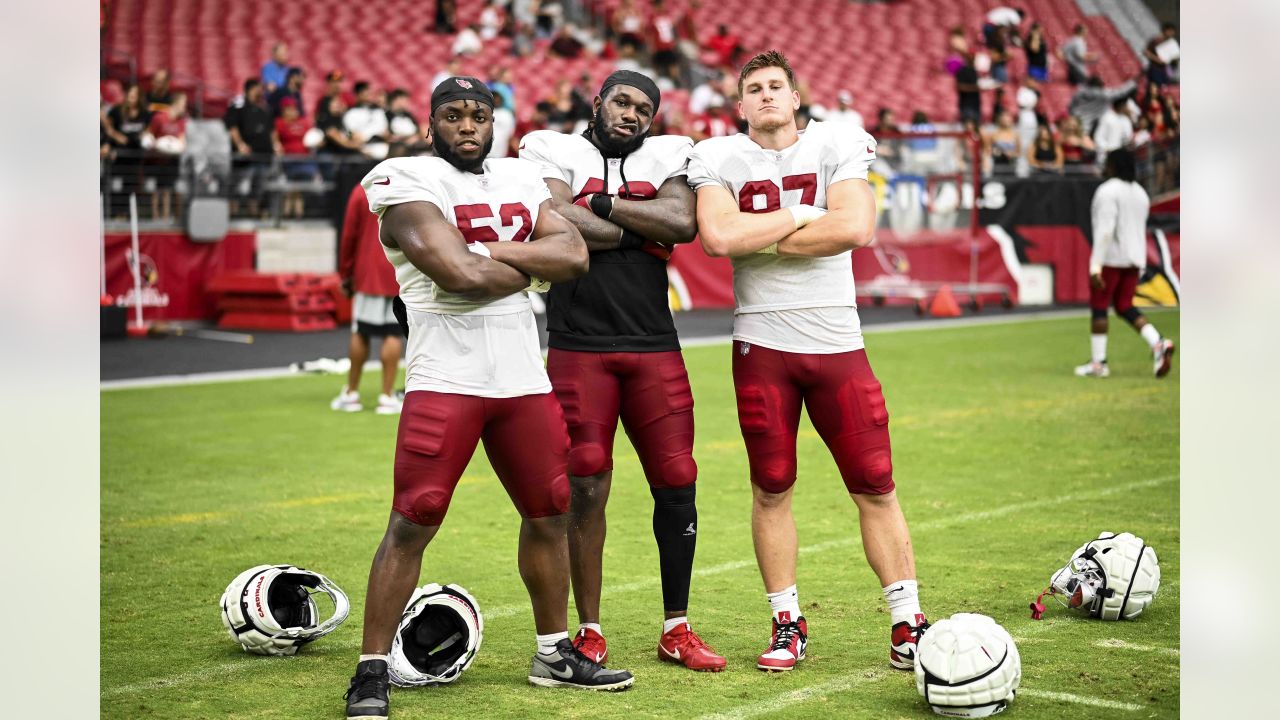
pixel 565 675
pixel 384 181
pixel 900 587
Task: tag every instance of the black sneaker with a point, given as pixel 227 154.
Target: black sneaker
pixel 566 667
pixel 367 696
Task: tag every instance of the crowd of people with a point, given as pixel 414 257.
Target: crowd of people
pixel 1027 138
pixel 272 133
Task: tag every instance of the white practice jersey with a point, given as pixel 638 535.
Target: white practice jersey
pixel 457 345
pixel 794 304
pixel 576 161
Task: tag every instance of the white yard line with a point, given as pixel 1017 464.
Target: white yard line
pixel 505 611
pixel 800 695
pixel 1079 699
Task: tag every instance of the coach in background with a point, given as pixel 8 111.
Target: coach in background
pixel 368 276
pixel 1119 212
pixel 613 351
pixel 789 208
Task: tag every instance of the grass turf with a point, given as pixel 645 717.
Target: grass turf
pixel 1005 464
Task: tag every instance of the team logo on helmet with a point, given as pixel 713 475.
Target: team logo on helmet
pixel 464 83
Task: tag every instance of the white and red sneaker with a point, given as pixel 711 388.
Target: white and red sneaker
pixel 902 642
pixel 786 648
pixel 682 645
pixel 592 644
pixel 1163 357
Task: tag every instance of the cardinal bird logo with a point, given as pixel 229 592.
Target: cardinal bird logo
pixel 464 83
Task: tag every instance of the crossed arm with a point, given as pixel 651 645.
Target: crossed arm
pixel 668 219
pixel 850 222
pixel 438 249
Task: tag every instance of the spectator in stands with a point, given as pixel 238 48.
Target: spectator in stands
pixel 468 41
pixel 1002 146
pixel 370 280
pixel 716 121
pixel 168 128
pixel 1092 100
pixel 565 110
pixel 843 111
pixel 1077 148
pixel 547 18
pixel 664 35
pixel 446 18
pixel 957 51
pixel 159 95
pixel 333 88
pixel 493 18
pixel 367 122
pixel 292 129
pixel 126 122
pixel 723 48
pixel 500 84
pixel 337 139
pixel 504 129
pixel 1115 128
pixel 720 86
pixel 292 89
pixel 1161 111
pixel 452 69
pixel 629 26
pixel 536 121
pixel 584 94
pixel 1161 54
pixel 1036 46
pixel 566 44
pixel 253 140
pixel 406 136
pixel 1075 53
pixel 968 92
pixel 1045 154
pixel 275 71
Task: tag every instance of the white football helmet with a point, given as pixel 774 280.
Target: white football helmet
pixel 967 666
pixel 1114 577
pixel 270 609
pixel 438 637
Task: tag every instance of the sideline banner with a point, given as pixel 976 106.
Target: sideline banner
pixel 174 271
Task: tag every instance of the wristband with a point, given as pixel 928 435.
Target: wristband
pixel 630 240
pixel 602 205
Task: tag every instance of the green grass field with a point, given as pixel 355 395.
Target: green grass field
pixel 1005 464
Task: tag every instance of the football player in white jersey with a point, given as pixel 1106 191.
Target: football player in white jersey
pixel 614 354
pixel 467 236
pixel 789 208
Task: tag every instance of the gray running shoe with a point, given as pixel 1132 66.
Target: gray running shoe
pixel 566 667
pixel 367 697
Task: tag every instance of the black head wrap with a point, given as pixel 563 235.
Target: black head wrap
pixel 635 80
pixel 460 88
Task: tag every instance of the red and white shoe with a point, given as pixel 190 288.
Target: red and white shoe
pixel 902 642
pixel 787 646
pixel 682 645
pixel 1163 357
pixel 592 644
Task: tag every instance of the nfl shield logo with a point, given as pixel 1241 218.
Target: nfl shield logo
pixel 744 348
pixel 464 83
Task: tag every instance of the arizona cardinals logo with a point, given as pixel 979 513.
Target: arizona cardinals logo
pixel 464 83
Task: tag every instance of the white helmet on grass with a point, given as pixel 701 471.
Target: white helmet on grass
pixel 1114 577
pixel 271 609
pixel 967 666
pixel 438 636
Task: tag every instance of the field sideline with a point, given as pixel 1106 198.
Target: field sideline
pixel 1005 463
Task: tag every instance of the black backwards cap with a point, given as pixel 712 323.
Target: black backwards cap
pixel 460 88
pixel 636 80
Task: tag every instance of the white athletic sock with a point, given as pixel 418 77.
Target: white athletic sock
pixel 904 601
pixel 547 643
pixel 591 626
pixel 383 658
pixel 785 604
pixel 1098 345
pixel 1150 334
pixel 673 623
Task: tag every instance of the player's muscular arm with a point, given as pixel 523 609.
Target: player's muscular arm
pixel 850 223
pixel 555 254
pixel 438 249
pixel 726 230
pixel 598 233
pixel 670 218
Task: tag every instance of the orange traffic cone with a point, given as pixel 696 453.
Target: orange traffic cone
pixel 944 303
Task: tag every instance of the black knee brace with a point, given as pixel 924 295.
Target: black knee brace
pixel 1133 315
pixel 1099 314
